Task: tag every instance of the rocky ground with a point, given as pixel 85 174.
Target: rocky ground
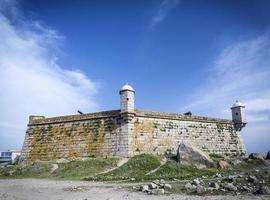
pixel 43 189
pixel 143 176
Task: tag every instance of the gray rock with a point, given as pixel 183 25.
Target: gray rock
pixel 214 185
pixel 236 162
pixel 217 175
pixel 158 191
pixel 255 156
pixel 196 181
pixel 152 186
pixel 200 189
pixel 188 154
pixel 144 188
pixel 167 186
pixel 232 177
pixel 253 179
pixel 267 156
pixel 265 190
pixel 190 187
pixel 246 188
pixel 135 188
pixel 230 187
pixel 161 185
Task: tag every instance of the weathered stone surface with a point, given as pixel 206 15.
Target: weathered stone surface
pixel 167 187
pixel 265 190
pixel 187 154
pixel 112 133
pixel 256 156
pixel 217 175
pixel 214 185
pixel 267 156
pixel 200 189
pixel 232 177
pixel 158 191
pixel 253 179
pixel 230 187
pixel 152 185
pixel 222 164
pixel 144 188
pixel 196 181
pixel 190 187
pixel 246 188
pixel 235 162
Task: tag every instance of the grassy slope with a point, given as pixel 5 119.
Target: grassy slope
pixel 81 169
pixel 173 170
pixel 136 167
pixel 73 170
pixel 34 169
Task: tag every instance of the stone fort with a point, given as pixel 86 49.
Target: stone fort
pixel 129 131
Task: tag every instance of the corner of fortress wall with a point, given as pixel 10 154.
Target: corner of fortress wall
pixel 126 134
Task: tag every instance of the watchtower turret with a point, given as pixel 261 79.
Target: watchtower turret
pixel 238 115
pixel 127 99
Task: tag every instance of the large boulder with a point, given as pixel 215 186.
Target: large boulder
pixel 256 156
pixel 222 164
pixel 188 154
pixel 267 156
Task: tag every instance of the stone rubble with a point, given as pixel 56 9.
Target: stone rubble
pixel 157 187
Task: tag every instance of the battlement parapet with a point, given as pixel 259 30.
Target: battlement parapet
pixel 72 118
pixel 176 116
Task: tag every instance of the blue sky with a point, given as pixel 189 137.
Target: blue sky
pixel 199 56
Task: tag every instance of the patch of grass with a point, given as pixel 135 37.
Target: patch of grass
pixel 80 169
pixel 245 167
pixel 216 157
pixel 136 167
pixel 73 170
pixel 173 170
pixel 23 170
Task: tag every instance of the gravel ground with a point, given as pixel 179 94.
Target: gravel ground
pixel 43 189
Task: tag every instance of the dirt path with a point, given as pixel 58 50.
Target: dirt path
pixel 119 164
pixel 163 162
pixel 43 189
pixel 54 167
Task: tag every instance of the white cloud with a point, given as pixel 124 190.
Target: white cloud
pixel 163 10
pixel 31 81
pixel 241 72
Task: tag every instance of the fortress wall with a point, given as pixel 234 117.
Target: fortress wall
pixel 53 138
pixel 159 134
pixel 114 133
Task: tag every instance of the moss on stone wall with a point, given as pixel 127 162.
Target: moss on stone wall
pixel 107 133
pixel 159 136
pixel 77 139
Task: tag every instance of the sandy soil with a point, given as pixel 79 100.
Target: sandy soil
pixel 42 189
